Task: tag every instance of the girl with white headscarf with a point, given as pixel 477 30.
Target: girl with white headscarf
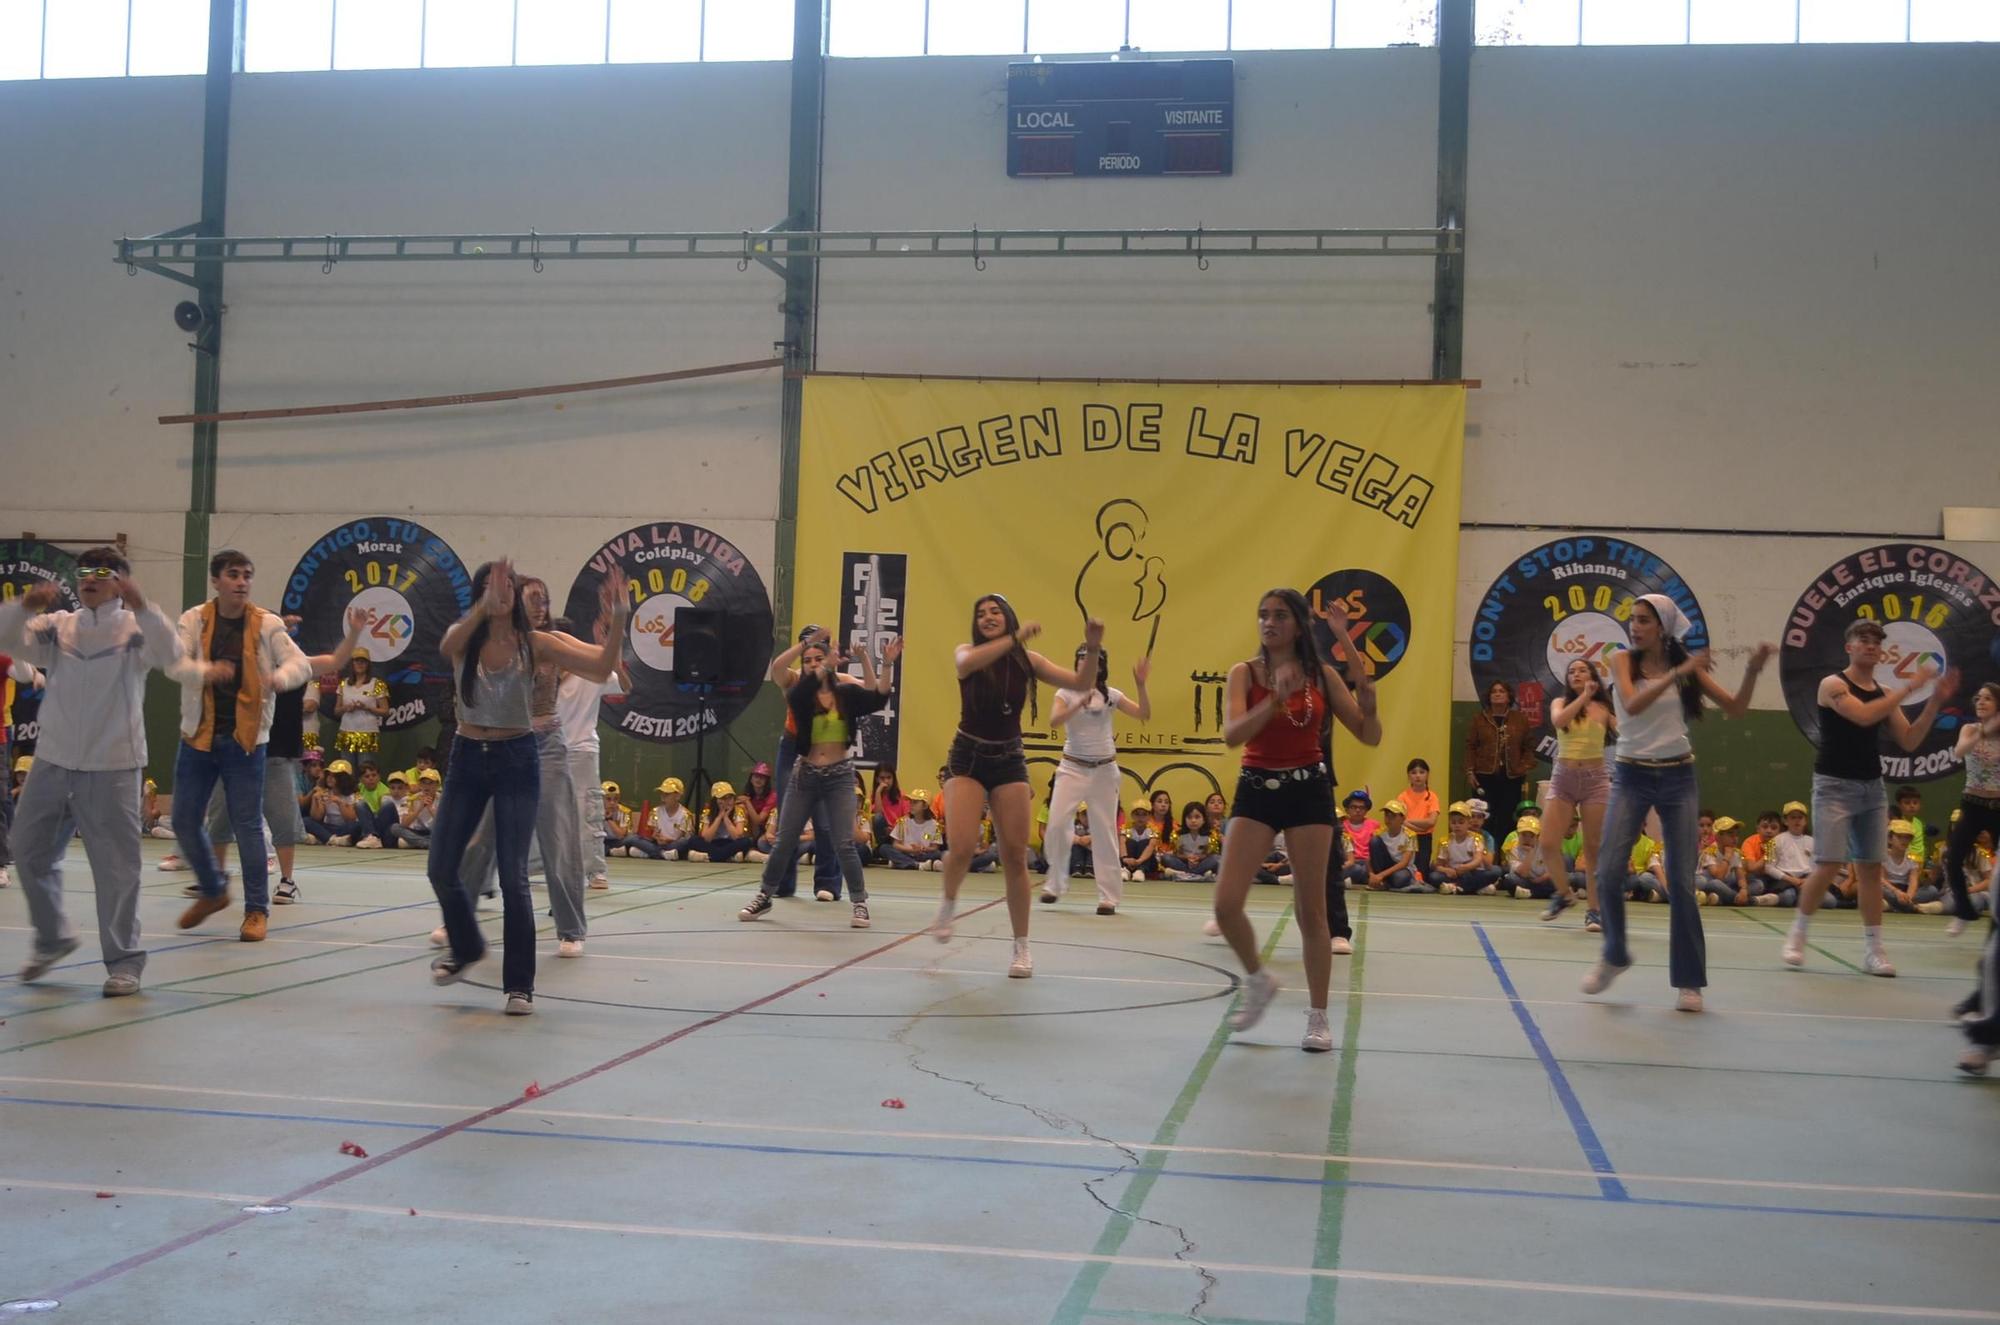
pixel 1657 689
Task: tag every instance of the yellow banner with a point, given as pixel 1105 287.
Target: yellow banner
pixel 1165 510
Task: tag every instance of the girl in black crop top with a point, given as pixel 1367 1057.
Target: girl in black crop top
pixel 996 672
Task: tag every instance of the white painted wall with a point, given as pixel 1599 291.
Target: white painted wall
pixel 1754 280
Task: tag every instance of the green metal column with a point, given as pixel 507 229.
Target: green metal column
pixel 801 285
pixel 225 57
pixel 1454 129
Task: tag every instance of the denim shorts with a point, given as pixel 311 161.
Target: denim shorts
pixel 1581 783
pixel 1281 798
pixel 1850 819
pixel 989 763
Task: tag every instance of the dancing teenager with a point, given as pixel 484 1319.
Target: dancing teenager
pixel 826 706
pixel 1850 806
pixel 785 671
pixel 1979 804
pixel 988 770
pixel 1279 705
pixel 495 652
pixel 90 763
pixel 1580 788
pixel 1658 688
pixel 1088 775
pixel 236 659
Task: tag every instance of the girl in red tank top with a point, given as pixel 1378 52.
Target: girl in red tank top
pixel 1280 709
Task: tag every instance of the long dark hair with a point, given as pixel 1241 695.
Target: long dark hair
pixel 1676 654
pixel 987 682
pixel 1572 696
pixel 517 617
pixel 521 583
pixel 882 772
pixel 1103 669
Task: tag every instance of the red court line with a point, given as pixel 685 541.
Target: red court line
pixel 373 1162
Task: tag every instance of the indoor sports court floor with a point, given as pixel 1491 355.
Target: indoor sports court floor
pixel 698 1123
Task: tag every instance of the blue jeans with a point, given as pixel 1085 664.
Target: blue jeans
pixel 242 777
pixel 1635 789
pixel 1850 819
pixel 825 794
pixel 826 869
pixel 507 774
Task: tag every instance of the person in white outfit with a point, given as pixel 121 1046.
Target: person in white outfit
pixel 90 769
pixel 1089 775
pixel 576 709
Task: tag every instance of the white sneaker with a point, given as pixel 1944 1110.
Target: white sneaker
pixel 1930 908
pixel 370 843
pixel 1794 951
pixel 1212 927
pixel 1599 977
pixel 1258 991
pixel 1876 962
pixel 164 833
pixel 822 896
pixel 439 938
pixel 1319 1037
pixel 1023 964
pixel 1342 947
pixel 1449 889
pixel 569 948
pixel 1689 1001
pixel 1954 928
pixel 599 882
pixel 759 857
pixel 941 925
pixel 344 840
pixel 171 863
pixel 1522 892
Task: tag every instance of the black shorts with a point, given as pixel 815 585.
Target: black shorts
pixel 989 763
pixel 1282 798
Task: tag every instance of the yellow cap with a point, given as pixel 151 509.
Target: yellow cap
pixel 398 775
pixel 721 789
pixel 362 654
pixel 917 794
pixel 1798 806
pixel 1954 816
pixel 1460 807
pixel 24 763
pixel 671 786
pixel 152 785
pixel 1395 807
pixel 430 775
pixel 340 766
pixel 412 776
pixel 610 788
pixel 1728 825
pixel 1903 826
pixel 1528 824
pixel 1142 807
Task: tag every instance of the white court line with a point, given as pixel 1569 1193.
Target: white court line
pixel 870 1133
pixel 1894 1310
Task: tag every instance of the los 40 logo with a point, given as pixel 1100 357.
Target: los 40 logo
pixel 1377 613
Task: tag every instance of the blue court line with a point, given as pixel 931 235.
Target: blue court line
pixel 1586 1135
pixel 230 938
pixel 987 1161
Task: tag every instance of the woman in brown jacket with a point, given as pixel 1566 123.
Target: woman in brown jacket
pixel 1499 756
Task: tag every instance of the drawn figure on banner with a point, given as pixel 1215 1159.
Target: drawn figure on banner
pixel 1120 585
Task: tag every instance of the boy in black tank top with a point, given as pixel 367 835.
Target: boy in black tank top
pixel 1850 806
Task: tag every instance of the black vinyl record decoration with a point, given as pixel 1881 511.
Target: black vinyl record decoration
pixel 1567 599
pixel 680 577
pixel 1936 609
pixel 26 563
pixel 412 585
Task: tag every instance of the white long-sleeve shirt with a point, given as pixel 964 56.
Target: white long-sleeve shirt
pixel 93 716
pixel 284 668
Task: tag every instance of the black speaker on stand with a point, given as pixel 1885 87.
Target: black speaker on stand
pixel 698 667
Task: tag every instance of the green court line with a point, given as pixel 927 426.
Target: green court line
pixel 1830 956
pixel 225 1000
pixel 1075 1304
pixel 1321 1295
pixel 1164 1317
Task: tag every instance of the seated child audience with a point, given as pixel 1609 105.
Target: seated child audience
pixel 1278 865
pixel 1722 878
pixel 1462 864
pixel 669 827
pixel 1903 888
pixel 1648 879
pixel 1527 869
pixel 375 807
pixel 1788 857
pixel 419 813
pixel 1191 858
pixel 1358 829
pixel 155 815
pixel 618 823
pixel 918 842
pixel 331 817
pixel 725 831
pixel 1138 857
pixel 1420 809
pixel 1392 855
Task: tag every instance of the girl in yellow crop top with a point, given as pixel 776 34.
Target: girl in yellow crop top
pixel 1580 786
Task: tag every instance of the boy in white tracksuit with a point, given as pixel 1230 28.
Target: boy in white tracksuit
pixel 91 759
pixel 1089 775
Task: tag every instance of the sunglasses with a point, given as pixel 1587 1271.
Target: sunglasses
pixel 96 573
